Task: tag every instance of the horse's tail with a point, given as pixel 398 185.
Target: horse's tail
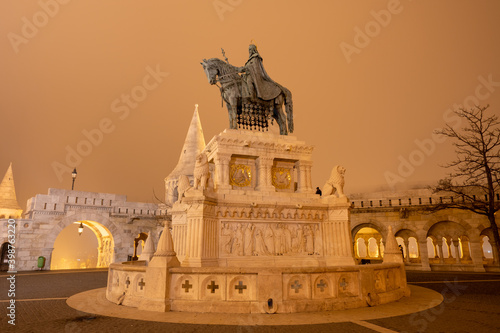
pixel 288 108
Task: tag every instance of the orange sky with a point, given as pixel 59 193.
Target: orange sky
pixel 368 78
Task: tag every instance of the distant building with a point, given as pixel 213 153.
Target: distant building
pixel 449 239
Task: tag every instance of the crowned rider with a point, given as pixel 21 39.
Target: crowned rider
pixel 258 83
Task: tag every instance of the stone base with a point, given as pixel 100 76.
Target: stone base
pixel 259 289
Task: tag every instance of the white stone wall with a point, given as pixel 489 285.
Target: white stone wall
pixel 48 214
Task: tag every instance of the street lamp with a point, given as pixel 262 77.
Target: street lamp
pixel 73 175
pixel 80 229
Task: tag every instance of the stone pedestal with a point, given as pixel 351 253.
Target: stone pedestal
pixel 158 278
pixel 337 232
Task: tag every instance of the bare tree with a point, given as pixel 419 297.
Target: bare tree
pixel 475 180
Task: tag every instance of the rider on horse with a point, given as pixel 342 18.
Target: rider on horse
pixel 257 82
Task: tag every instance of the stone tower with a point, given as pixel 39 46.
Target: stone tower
pixel 9 208
pixel 193 145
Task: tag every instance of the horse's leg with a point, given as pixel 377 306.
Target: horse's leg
pixel 280 116
pixel 234 112
pixel 230 114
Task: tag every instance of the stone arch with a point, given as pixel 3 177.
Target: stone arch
pixel 4 251
pixel 374 225
pixel 489 250
pixel 105 230
pixel 371 235
pixel 408 239
pixel 447 236
pixel 447 229
pixel 449 218
pixel 105 243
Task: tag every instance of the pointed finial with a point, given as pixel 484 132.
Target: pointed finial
pixel 196 107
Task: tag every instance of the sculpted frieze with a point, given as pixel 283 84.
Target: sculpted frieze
pixel 270 239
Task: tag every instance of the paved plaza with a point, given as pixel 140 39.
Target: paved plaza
pixel 471 304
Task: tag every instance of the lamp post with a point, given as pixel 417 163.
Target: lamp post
pixel 80 229
pixel 73 175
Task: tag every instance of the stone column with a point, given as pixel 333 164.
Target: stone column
pixel 424 255
pixel 494 250
pixel 367 244
pixel 455 244
pixel 378 240
pixel 222 172
pixel 440 251
pixel 304 174
pixel 436 250
pixel 264 166
pixel 406 242
pixel 476 255
pixel 301 172
pixel 307 165
pixel 202 233
pixel 465 249
pixel 337 237
pixel 355 248
pixel 448 244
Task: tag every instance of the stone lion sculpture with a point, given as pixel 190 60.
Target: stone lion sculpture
pixel 201 172
pixel 335 183
pixel 182 186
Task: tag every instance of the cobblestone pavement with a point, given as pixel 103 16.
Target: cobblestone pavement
pixel 471 304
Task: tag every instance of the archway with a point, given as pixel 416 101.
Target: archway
pixel 93 248
pixel 368 243
pixel 487 248
pixel 4 257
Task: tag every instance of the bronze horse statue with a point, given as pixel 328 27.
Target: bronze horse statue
pixel 235 93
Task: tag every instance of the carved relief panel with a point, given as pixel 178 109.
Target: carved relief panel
pixel 270 239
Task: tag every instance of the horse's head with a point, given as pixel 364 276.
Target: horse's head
pixel 211 71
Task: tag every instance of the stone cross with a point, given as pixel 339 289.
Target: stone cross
pixel 296 286
pixel 127 282
pixel 240 287
pixel 343 284
pixel 187 286
pixel 142 283
pixel 321 285
pixel 212 287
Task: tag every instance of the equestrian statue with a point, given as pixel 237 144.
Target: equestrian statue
pixel 251 96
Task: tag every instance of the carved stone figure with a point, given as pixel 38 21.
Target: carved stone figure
pixel 260 246
pixel 201 171
pixel 182 186
pixel 269 239
pixel 288 238
pixel 252 98
pixel 309 237
pixel 301 242
pixel 227 238
pixel 249 241
pixel 335 183
pixel 318 241
pixel 238 241
pixel 278 240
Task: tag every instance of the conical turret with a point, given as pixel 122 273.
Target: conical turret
pixel 392 253
pixel 9 207
pixel 193 145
